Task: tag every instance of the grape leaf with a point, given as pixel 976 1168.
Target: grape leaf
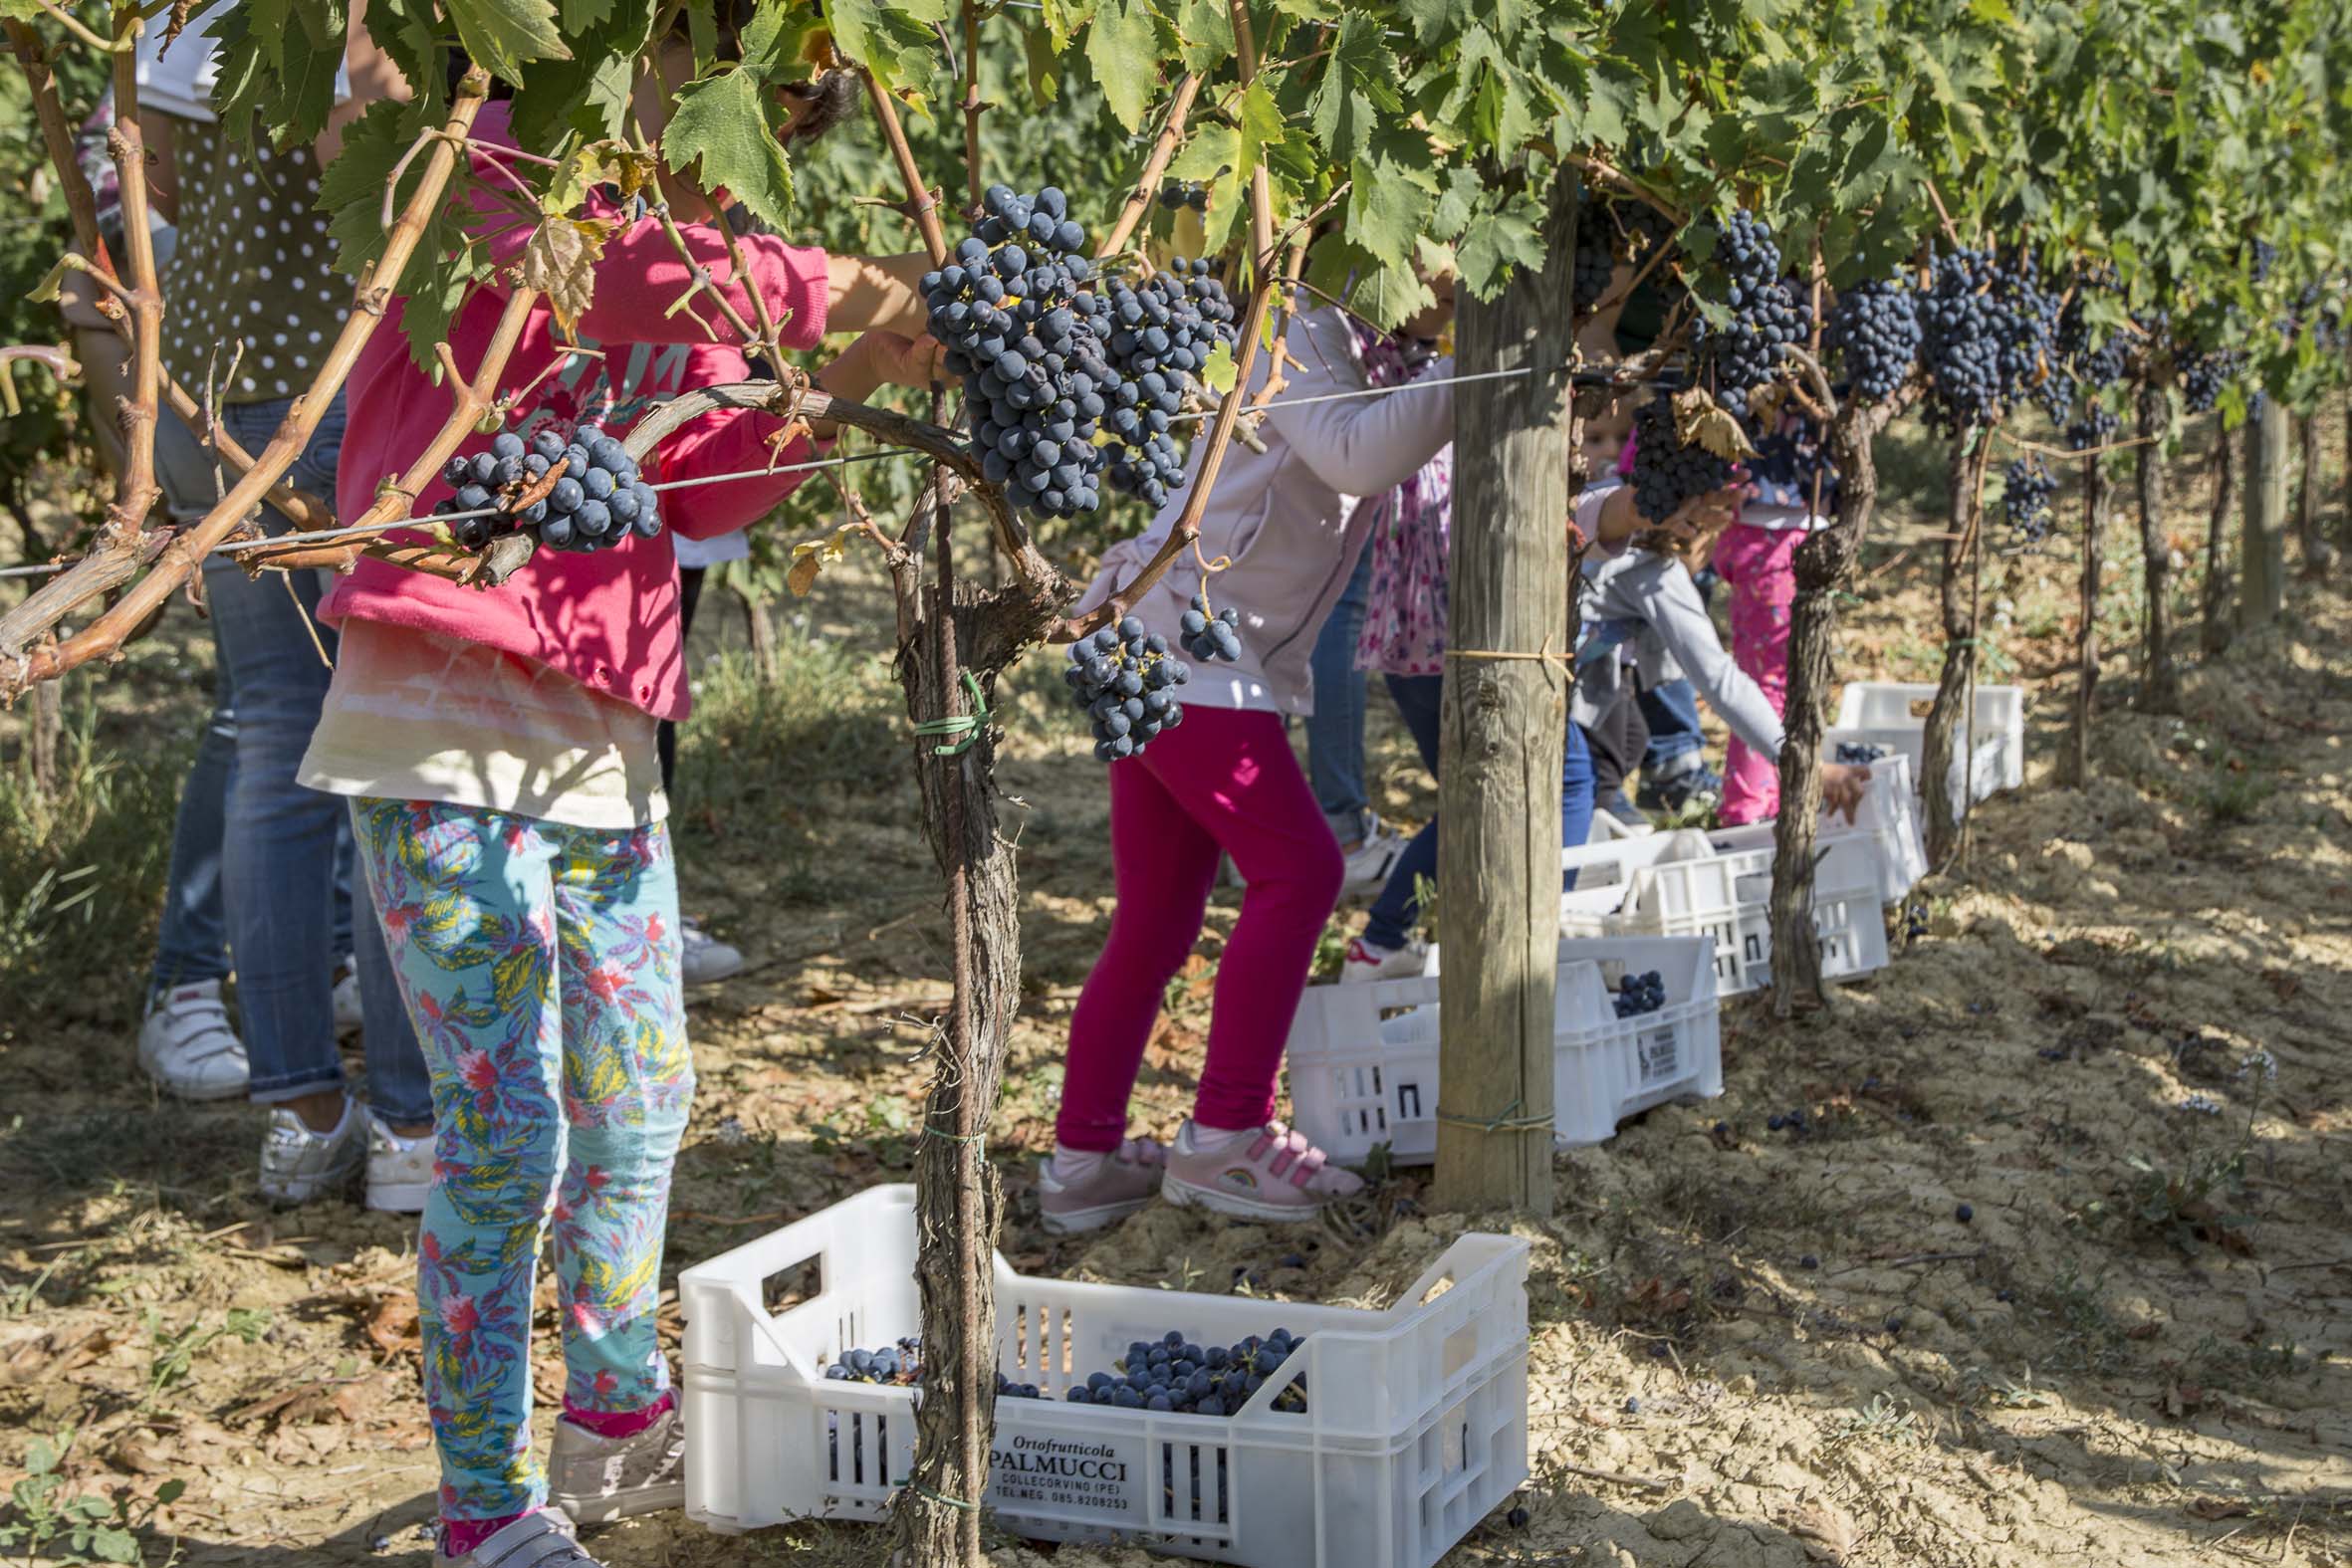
pixel 1262 129
pixel 812 555
pixel 611 163
pixel 1493 245
pixel 581 15
pixel 503 36
pixel 1211 150
pixel 1219 372
pixel 1123 48
pixel 1358 86
pixel 723 124
pixel 559 261
pixel 1697 422
pixel 1383 296
pixel 892 38
pixel 1045 68
pixel 1385 212
pixel 1205 31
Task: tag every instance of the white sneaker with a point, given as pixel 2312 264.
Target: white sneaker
pixel 188 1046
pixel 704 958
pixel 400 1170
pixel 298 1165
pixel 349 1012
pixel 1369 862
pixel 1366 963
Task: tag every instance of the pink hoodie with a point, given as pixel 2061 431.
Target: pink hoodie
pixel 607 619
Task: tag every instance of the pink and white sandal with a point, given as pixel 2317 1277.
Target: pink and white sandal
pixel 1273 1172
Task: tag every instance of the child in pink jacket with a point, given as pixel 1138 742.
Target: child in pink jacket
pixel 498 749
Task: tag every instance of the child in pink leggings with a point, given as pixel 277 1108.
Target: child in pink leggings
pixel 1227 781
pixel 1756 560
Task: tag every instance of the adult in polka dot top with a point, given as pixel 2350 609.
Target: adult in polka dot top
pixel 261 866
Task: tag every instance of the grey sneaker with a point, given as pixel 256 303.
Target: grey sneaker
pixel 542 1539
pixel 596 1480
pixel 703 959
pixel 299 1165
pixel 400 1170
pixel 1116 1186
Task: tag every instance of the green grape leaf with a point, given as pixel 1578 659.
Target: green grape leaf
pixel 611 163
pixel 892 38
pixel 1123 48
pixel 1260 131
pixel 582 15
pixel 1219 372
pixel 723 124
pixel 1044 65
pixel 351 189
pixel 1386 212
pixel 1211 151
pixel 436 285
pixel 1383 296
pixel 1357 88
pixel 503 36
pixel 1457 200
pixel 1204 28
pixel 1063 18
pixel 1493 245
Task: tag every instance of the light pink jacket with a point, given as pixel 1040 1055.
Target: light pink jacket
pixel 1282 516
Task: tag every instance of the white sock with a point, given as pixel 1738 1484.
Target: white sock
pixel 1076 1165
pixel 1214 1140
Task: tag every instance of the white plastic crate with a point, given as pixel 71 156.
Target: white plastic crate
pixel 1363 1059
pixel 1888 819
pixel 1881 713
pixel 1416 1423
pixel 1642 889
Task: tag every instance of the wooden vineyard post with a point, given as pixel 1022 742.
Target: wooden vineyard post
pixel 2160 679
pixel 1503 730
pixel 2262 589
pixel 1949 713
pixel 2075 759
pixel 2214 626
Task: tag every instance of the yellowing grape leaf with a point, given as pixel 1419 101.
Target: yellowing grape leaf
pixel 559 261
pixel 812 555
pixel 1697 422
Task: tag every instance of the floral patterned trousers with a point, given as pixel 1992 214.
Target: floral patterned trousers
pixel 540 965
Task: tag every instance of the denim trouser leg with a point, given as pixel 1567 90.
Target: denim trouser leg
pixel 1335 730
pixel 1672 712
pixel 1398 908
pixel 193 943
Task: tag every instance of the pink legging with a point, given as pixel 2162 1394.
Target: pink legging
pixel 1224 780
pixel 1760 566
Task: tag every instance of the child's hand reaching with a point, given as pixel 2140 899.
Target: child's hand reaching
pixel 880 358
pixel 1711 513
pixel 1841 787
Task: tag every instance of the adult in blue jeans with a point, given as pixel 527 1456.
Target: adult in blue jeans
pixel 1336 738
pixel 1674 769
pixel 261 866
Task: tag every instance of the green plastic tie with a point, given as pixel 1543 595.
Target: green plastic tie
pixel 1506 1122
pixel 964 1503
pixel 967 725
pixel 934 1130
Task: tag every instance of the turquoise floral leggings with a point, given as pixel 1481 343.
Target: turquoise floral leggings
pixel 540 965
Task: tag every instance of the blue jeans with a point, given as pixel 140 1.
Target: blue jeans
pixel 1398 910
pixel 1335 730
pixel 279 855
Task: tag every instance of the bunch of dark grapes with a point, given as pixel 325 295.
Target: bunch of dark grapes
pixel 2262 256
pixel 1175 1375
pixel 1177 194
pixel 1859 754
pixel 1876 328
pixel 1596 256
pixel 1049 364
pixel 899 1365
pixel 1640 993
pixel 1206 636
pixel 2205 375
pixel 599 497
pixel 2027 490
pixel 1666 473
pixel 1125 679
pixel 2027 322
pixel 1160 336
pixel 1959 342
pixel 1767 315
pixel 2097 427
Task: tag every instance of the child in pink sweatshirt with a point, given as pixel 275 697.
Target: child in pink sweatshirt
pixel 498 749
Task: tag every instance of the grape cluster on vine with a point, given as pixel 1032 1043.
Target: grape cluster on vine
pixel 1125 679
pixel 1768 317
pixel 2205 375
pixel 1959 342
pixel 1597 254
pixel 2027 490
pixel 1875 327
pixel 1051 365
pixel 2026 323
pixel 1209 636
pixel 2096 428
pixel 1666 473
pixel 597 500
